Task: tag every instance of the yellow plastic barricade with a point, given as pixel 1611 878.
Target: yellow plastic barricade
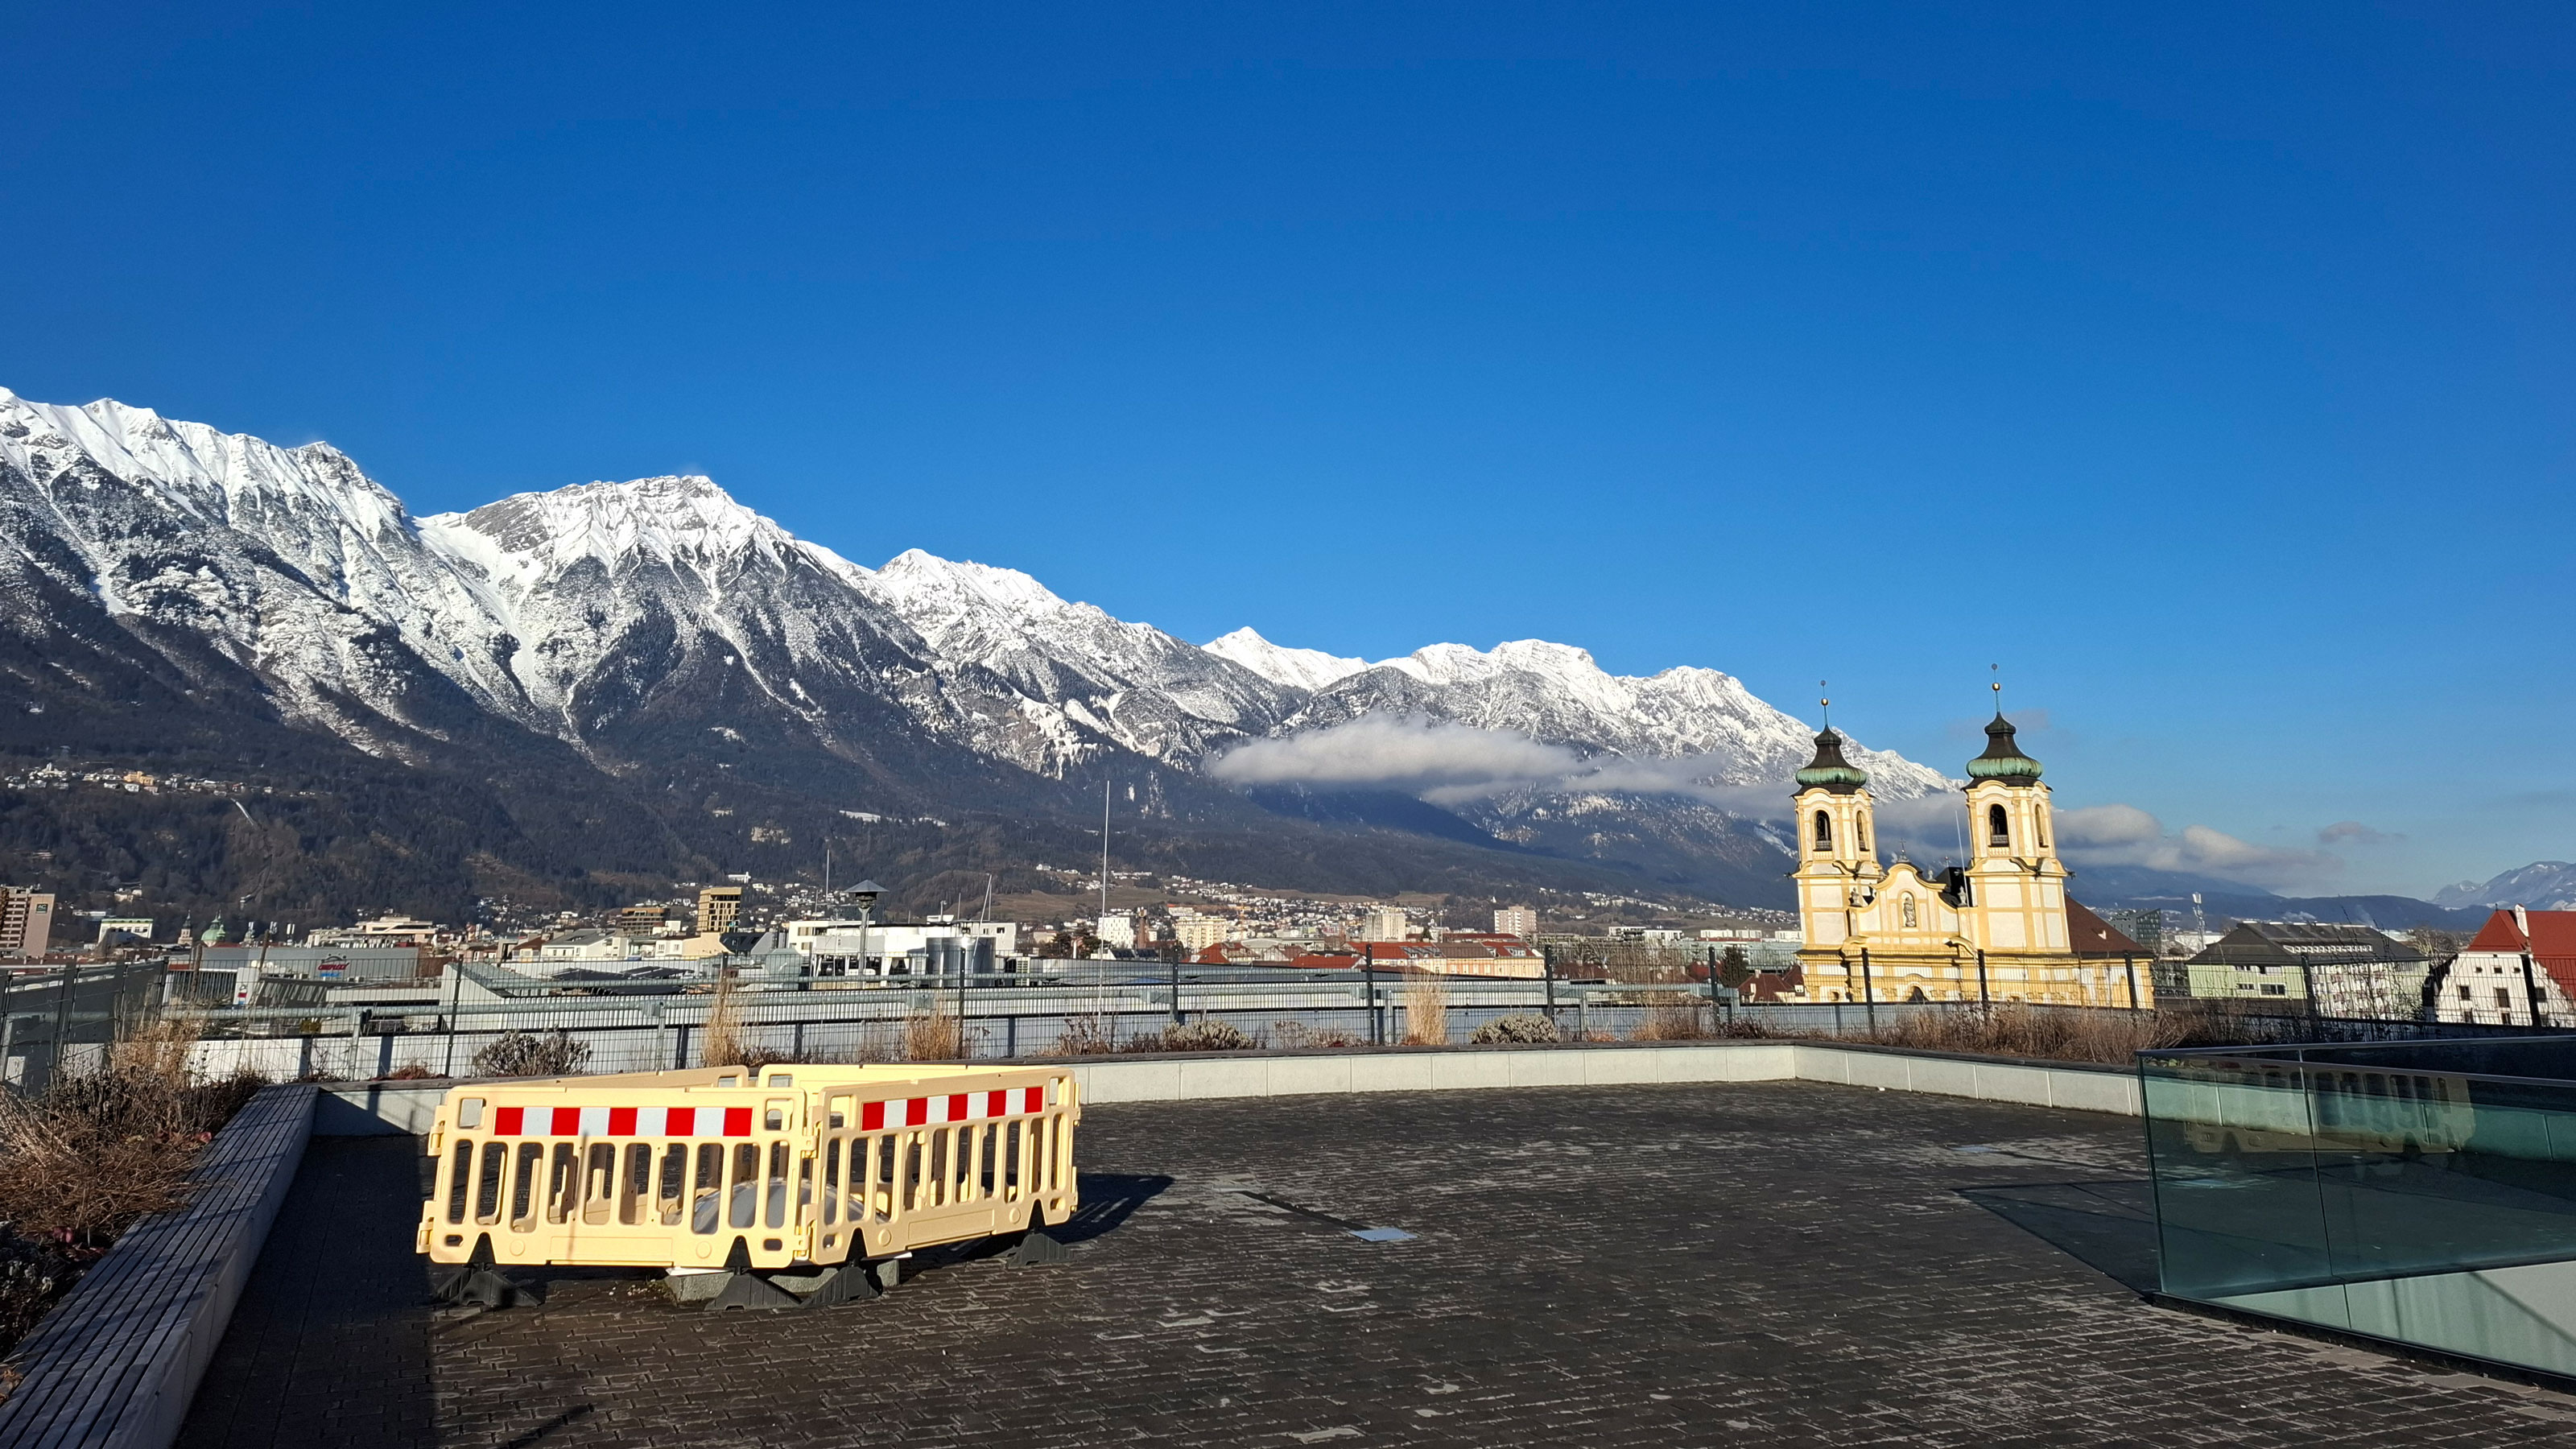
pixel 792 1170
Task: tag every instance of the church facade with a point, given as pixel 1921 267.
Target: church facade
pixel 1998 929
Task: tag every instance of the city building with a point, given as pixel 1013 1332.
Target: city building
pixel 893 948
pixel 1196 932
pixel 718 908
pixel 1384 923
pixel 26 921
pixel 644 918
pixel 1116 932
pixel 137 927
pixel 1518 921
pixel 1997 928
pixel 568 947
pixel 2352 971
pixel 2516 957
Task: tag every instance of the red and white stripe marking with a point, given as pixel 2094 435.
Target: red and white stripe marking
pixel 736 1121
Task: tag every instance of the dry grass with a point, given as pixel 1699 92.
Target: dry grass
pixel 727 1040
pixel 2015 1030
pixel 933 1036
pixel 1426 1011
pixel 1670 1017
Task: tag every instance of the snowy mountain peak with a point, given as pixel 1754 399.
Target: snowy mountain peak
pixel 1308 669
pixel 677 521
pixel 916 574
pixel 212 476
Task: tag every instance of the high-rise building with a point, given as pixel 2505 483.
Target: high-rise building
pixel 641 919
pixel 26 921
pixel 1516 921
pixel 1385 923
pixel 718 908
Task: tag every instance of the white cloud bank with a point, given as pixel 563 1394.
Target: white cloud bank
pixel 2127 835
pixel 1452 764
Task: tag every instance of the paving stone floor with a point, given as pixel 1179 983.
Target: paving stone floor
pixel 1765 1264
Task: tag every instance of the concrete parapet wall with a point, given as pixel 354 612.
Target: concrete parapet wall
pixel 2071 1085
pixel 360 1109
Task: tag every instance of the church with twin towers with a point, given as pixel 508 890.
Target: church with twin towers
pixel 2000 928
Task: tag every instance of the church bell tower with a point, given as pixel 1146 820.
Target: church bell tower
pixel 2016 883
pixel 1837 854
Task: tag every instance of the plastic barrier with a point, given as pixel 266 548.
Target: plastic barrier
pixel 796 1168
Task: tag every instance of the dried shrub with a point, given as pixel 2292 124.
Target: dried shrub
pixel 1088 1035
pixel 532 1054
pixel 1194 1036
pixel 33 1273
pixel 1520 1027
pixel 414 1072
pixel 1426 1011
pixel 933 1036
pixel 80 1162
pixel 1298 1036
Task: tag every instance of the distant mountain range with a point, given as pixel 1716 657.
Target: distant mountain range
pixel 580 694
pixel 617 681
pixel 2544 885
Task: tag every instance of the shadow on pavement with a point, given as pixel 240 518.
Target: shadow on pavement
pixel 2109 1226
pixel 1108 1199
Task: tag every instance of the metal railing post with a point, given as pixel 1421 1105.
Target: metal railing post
pixel 62 1020
pixel 1984 1002
pixel 2129 964
pixel 1547 972
pixel 1868 992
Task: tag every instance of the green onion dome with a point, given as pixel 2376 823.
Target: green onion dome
pixel 1829 770
pixel 2003 759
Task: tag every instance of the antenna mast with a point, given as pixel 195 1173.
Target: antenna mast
pixel 1104 850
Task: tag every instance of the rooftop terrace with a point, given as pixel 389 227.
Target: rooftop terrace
pixel 1756 1264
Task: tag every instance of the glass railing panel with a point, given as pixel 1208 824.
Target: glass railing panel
pixel 2234 1164
pixel 2429 1207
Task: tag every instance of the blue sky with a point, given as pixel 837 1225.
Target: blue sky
pixel 2207 367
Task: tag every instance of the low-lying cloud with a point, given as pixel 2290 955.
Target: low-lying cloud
pixel 1452 764
pixel 1397 753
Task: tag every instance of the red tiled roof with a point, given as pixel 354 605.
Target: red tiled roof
pixel 2553 936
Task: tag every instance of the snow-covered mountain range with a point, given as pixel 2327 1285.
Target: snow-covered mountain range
pixel 2543 885
pixel 657 625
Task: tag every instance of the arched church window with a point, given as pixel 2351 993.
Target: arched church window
pixel 1908 903
pixel 2043 830
pixel 1998 829
pixel 1824 831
